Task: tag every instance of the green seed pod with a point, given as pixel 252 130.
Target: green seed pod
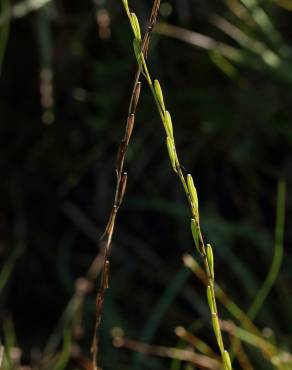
pixel 159 94
pixel 171 152
pixel 168 124
pixel 217 330
pixel 137 50
pixel 226 359
pixel 135 26
pixel 193 194
pixel 216 326
pixel 210 300
pixel 195 233
pixel 210 259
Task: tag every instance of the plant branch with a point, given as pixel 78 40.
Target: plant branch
pixel 120 185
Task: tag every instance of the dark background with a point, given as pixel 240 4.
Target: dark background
pixel 58 142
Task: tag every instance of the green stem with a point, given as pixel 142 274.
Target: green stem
pixel 177 168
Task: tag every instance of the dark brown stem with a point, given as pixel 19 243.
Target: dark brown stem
pixel 120 187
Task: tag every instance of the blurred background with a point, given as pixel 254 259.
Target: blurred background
pixel 67 70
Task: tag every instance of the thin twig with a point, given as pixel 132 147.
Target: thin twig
pixel 120 186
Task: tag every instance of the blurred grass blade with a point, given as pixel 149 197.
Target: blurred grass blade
pixel 4 30
pixel 262 19
pixel 7 269
pixel 278 253
pixel 201 41
pixel 171 291
pixel 1 355
pixel 64 357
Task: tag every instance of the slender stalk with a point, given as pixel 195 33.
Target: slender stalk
pixel 120 185
pixel 205 250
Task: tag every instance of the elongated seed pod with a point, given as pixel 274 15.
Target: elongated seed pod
pixel 138 52
pixel 159 94
pixel 217 330
pixel 135 26
pixel 226 359
pixel 122 188
pixel 193 194
pixel 171 152
pixel 195 233
pixel 210 259
pixel 136 94
pixel 129 128
pixel 168 124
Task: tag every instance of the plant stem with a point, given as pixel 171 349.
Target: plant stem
pixel 201 246
pixel 120 189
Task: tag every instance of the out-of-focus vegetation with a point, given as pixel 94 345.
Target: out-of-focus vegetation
pixel 66 78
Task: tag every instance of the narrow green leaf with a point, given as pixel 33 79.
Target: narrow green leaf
pixel 135 26
pixel 168 124
pixel 171 152
pixel 193 194
pixel 63 358
pixel 159 94
pixel 210 259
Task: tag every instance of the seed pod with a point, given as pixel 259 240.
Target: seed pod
pixel 217 330
pixel 210 259
pixel 195 233
pixel 137 50
pixel 129 128
pixel 168 124
pixel 136 94
pixel 159 94
pixel 193 194
pixel 135 26
pixel 122 188
pixel 226 359
pixel 171 152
